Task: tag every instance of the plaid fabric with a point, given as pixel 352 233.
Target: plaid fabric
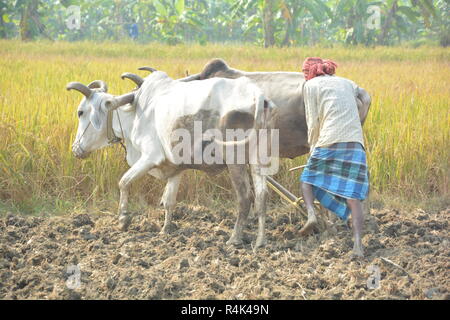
pixel 338 172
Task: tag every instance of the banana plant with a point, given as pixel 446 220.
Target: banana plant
pixel 172 18
pixel 400 14
pixel 6 18
pixel 441 24
pixel 275 20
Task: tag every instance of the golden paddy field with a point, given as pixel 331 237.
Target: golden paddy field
pixel 407 130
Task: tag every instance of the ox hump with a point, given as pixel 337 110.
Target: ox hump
pixel 212 67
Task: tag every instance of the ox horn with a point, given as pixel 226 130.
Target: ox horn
pixel 79 87
pixel 98 84
pixel 191 78
pixel 134 77
pixel 148 69
pixel 116 102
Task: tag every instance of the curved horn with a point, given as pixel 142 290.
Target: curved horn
pixel 119 101
pixel 79 87
pixel 98 84
pixel 133 77
pixel 190 78
pixel 148 69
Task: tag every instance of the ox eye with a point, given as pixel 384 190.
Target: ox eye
pixel 80 113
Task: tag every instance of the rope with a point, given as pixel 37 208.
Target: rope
pixel 112 138
pixel 78 141
pixel 123 136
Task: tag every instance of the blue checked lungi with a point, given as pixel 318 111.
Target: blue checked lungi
pixel 336 173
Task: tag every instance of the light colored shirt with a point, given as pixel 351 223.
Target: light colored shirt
pixel 331 111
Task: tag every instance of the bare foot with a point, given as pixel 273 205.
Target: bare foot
pixel 358 251
pixel 308 227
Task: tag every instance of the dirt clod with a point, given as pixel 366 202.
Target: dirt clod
pixel 81 220
pixel 235 261
pixel 184 264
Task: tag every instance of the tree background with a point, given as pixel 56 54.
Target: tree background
pixel 263 22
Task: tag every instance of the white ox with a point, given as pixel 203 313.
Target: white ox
pixel 145 120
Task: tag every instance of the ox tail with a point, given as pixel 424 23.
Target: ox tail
pixel 244 141
pixel 263 109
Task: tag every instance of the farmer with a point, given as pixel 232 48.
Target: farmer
pixel 336 172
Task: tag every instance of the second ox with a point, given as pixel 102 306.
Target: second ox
pixel 285 90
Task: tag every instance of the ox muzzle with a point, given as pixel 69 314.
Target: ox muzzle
pixel 79 152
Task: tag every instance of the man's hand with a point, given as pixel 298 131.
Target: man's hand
pixel 363 100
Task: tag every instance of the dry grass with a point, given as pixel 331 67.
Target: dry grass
pixel 407 130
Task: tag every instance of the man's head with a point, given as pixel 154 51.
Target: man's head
pixel 314 66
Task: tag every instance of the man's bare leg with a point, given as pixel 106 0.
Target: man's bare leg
pixel 357 221
pixel 308 197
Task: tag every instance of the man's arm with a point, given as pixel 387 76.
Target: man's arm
pixel 363 100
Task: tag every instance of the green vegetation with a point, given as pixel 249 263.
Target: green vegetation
pixel 262 22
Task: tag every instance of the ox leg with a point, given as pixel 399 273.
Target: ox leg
pixel 169 200
pixel 139 169
pixel 241 183
pixel 260 185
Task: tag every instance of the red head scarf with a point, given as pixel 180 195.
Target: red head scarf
pixel 313 67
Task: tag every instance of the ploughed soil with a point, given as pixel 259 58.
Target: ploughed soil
pixel 407 257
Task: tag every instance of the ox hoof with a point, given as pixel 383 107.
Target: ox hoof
pixel 235 241
pixel 260 242
pixel 124 222
pixel 168 228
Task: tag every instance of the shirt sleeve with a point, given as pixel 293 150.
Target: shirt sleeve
pixel 312 114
